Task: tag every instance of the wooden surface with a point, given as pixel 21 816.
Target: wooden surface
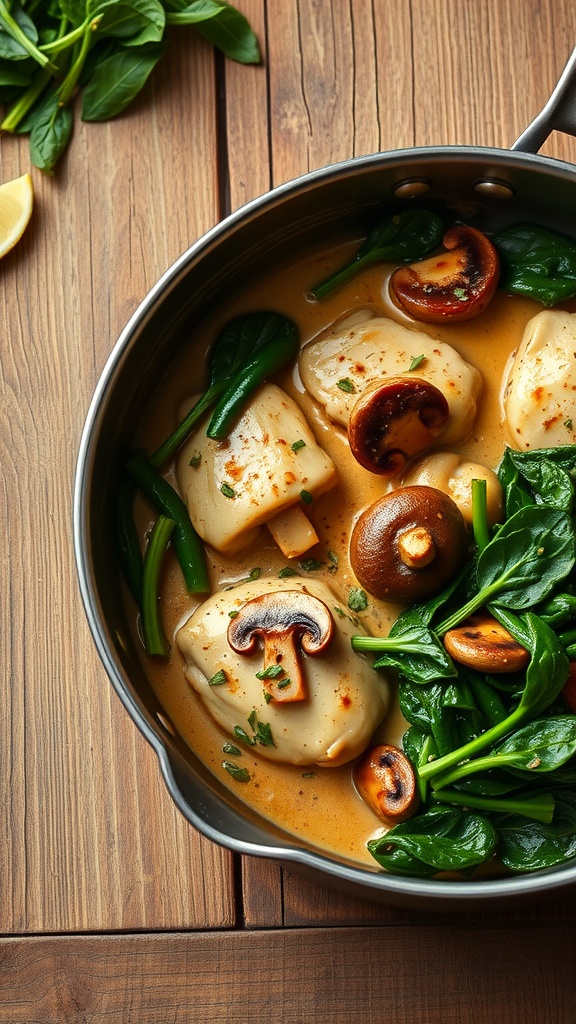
pixel 111 906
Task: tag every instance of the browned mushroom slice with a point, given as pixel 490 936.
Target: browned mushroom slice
pixel 454 285
pixel 482 643
pixel 395 421
pixel 408 544
pixel 284 621
pixel 386 780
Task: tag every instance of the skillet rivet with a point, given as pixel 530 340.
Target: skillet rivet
pixel 411 188
pixel 494 189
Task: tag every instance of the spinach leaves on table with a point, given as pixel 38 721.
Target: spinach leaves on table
pixel 493 754
pixel 105 48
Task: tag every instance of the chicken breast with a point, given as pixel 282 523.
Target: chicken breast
pixel 269 462
pixel 362 350
pixel 540 389
pixel 346 698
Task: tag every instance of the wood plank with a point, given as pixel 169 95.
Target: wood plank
pixel 91 838
pixel 440 974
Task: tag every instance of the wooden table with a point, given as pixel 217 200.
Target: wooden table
pixel 111 907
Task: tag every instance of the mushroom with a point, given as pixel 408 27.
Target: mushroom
pixel 453 285
pixel 386 780
pixel 408 544
pixel 451 473
pixel 482 643
pixel 394 421
pixel 267 470
pixel 346 700
pixel 284 622
pixel 362 351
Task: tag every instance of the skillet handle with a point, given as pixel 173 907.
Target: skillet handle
pixel 558 114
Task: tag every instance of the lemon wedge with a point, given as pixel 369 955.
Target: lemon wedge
pixel 16 201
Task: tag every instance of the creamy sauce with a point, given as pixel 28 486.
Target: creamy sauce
pixel 320 805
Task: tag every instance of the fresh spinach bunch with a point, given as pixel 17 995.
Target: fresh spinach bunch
pixel 495 756
pixel 107 48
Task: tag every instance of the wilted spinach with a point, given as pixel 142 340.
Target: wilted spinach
pixel 537 262
pixel 440 839
pixel 399 238
pixel 107 48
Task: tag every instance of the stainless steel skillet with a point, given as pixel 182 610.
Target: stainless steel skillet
pixel 499 187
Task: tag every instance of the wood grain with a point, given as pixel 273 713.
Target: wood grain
pixel 438 974
pixel 91 841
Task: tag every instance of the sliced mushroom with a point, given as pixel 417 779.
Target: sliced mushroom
pixel 346 701
pixel 408 544
pixel 386 780
pixel 394 421
pixel 453 285
pixel 482 643
pixel 362 351
pixel 284 622
pixel 269 464
pixel 454 475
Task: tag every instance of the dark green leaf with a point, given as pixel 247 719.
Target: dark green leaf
pixel 399 238
pixel 441 839
pixel 134 21
pixel 11 48
pixel 417 653
pixel 529 555
pixel 533 846
pixel 117 80
pixel 537 262
pixel 51 129
pixel 223 26
pixel 542 745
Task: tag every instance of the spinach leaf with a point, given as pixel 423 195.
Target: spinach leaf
pixel 540 746
pixel 51 128
pixel 537 262
pixel 249 349
pixel 134 21
pixel 549 472
pixel 14 24
pixel 117 80
pixel 417 653
pixel 400 238
pixel 222 25
pixel 530 554
pixel 532 846
pixel 440 839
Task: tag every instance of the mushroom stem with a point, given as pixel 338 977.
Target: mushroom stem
pixel 293 531
pixel 416 547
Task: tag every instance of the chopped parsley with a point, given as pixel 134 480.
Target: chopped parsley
pixel 270 673
pixel 233 613
pixel 229 748
pixel 306 497
pixel 261 730
pixel 227 491
pixel 243 736
pixel 237 772
pixel 568 424
pixel 297 445
pixel 218 679
pixel 416 362
pixel 284 683
pixel 287 572
pixel 310 565
pixel 357 600
pixel 196 459
pixel 346 385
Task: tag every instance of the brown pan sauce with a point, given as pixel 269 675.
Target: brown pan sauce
pixel 319 805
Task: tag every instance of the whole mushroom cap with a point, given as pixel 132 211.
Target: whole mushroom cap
pixel 409 544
